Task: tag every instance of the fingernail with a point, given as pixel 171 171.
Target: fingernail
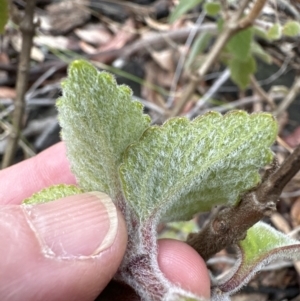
pixel 81 225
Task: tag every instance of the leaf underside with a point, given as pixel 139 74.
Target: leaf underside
pixel 262 245
pixel 184 167
pixel 52 193
pixel 99 120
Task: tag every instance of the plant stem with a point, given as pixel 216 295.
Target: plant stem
pixel 27 28
pixel 233 26
pixel 260 91
pixel 293 92
pixel 230 224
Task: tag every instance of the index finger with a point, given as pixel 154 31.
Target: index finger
pixel 48 168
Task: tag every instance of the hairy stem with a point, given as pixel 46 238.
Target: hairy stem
pixel 229 225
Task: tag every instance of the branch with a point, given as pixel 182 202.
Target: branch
pixel 27 28
pixel 209 94
pixel 253 14
pixel 157 41
pixel 256 87
pixel 230 224
pixel 233 26
pixel 294 90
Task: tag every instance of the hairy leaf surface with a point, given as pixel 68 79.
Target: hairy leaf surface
pixel 185 167
pixel 53 193
pixel 99 120
pixel 262 245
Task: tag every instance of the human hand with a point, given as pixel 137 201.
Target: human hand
pixel 54 251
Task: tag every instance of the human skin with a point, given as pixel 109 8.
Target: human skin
pixel 28 273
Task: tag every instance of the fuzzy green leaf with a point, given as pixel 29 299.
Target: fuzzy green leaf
pixel 240 71
pixel 274 33
pixel 52 193
pixel 3 14
pixel 291 28
pixel 212 8
pixel 262 245
pixel 182 8
pixel 239 45
pixel 185 167
pixel 99 120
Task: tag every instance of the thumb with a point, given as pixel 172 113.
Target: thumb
pixel 68 249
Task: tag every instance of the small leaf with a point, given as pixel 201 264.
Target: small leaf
pixel 182 8
pixel 291 28
pixel 212 8
pixel 184 167
pixel 99 120
pixel 258 51
pixel 52 193
pixel 3 14
pixel 274 33
pixel 239 45
pixel 240 71
pixel 262 245
pixel 257 31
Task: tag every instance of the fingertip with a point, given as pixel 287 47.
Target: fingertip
pixel 50 167
pixel 71 275
pixel 183 266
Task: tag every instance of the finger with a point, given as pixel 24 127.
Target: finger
pixel 68 249
pixel 182 265
pixel 23 179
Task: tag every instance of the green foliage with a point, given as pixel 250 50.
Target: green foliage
pixel 179 230
pixel 52 193
pixel 157 173
pixel 185 167
pixel 259 52
pixel 239 45
pixel 291 28
pixel 3 14
pixel 262 245
pixel 239 57
pixel 99 120
pixel 212 8
pixel 258 32
pixel 241 71
pixel 262 239
pixel 182 8
pixel 274 33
